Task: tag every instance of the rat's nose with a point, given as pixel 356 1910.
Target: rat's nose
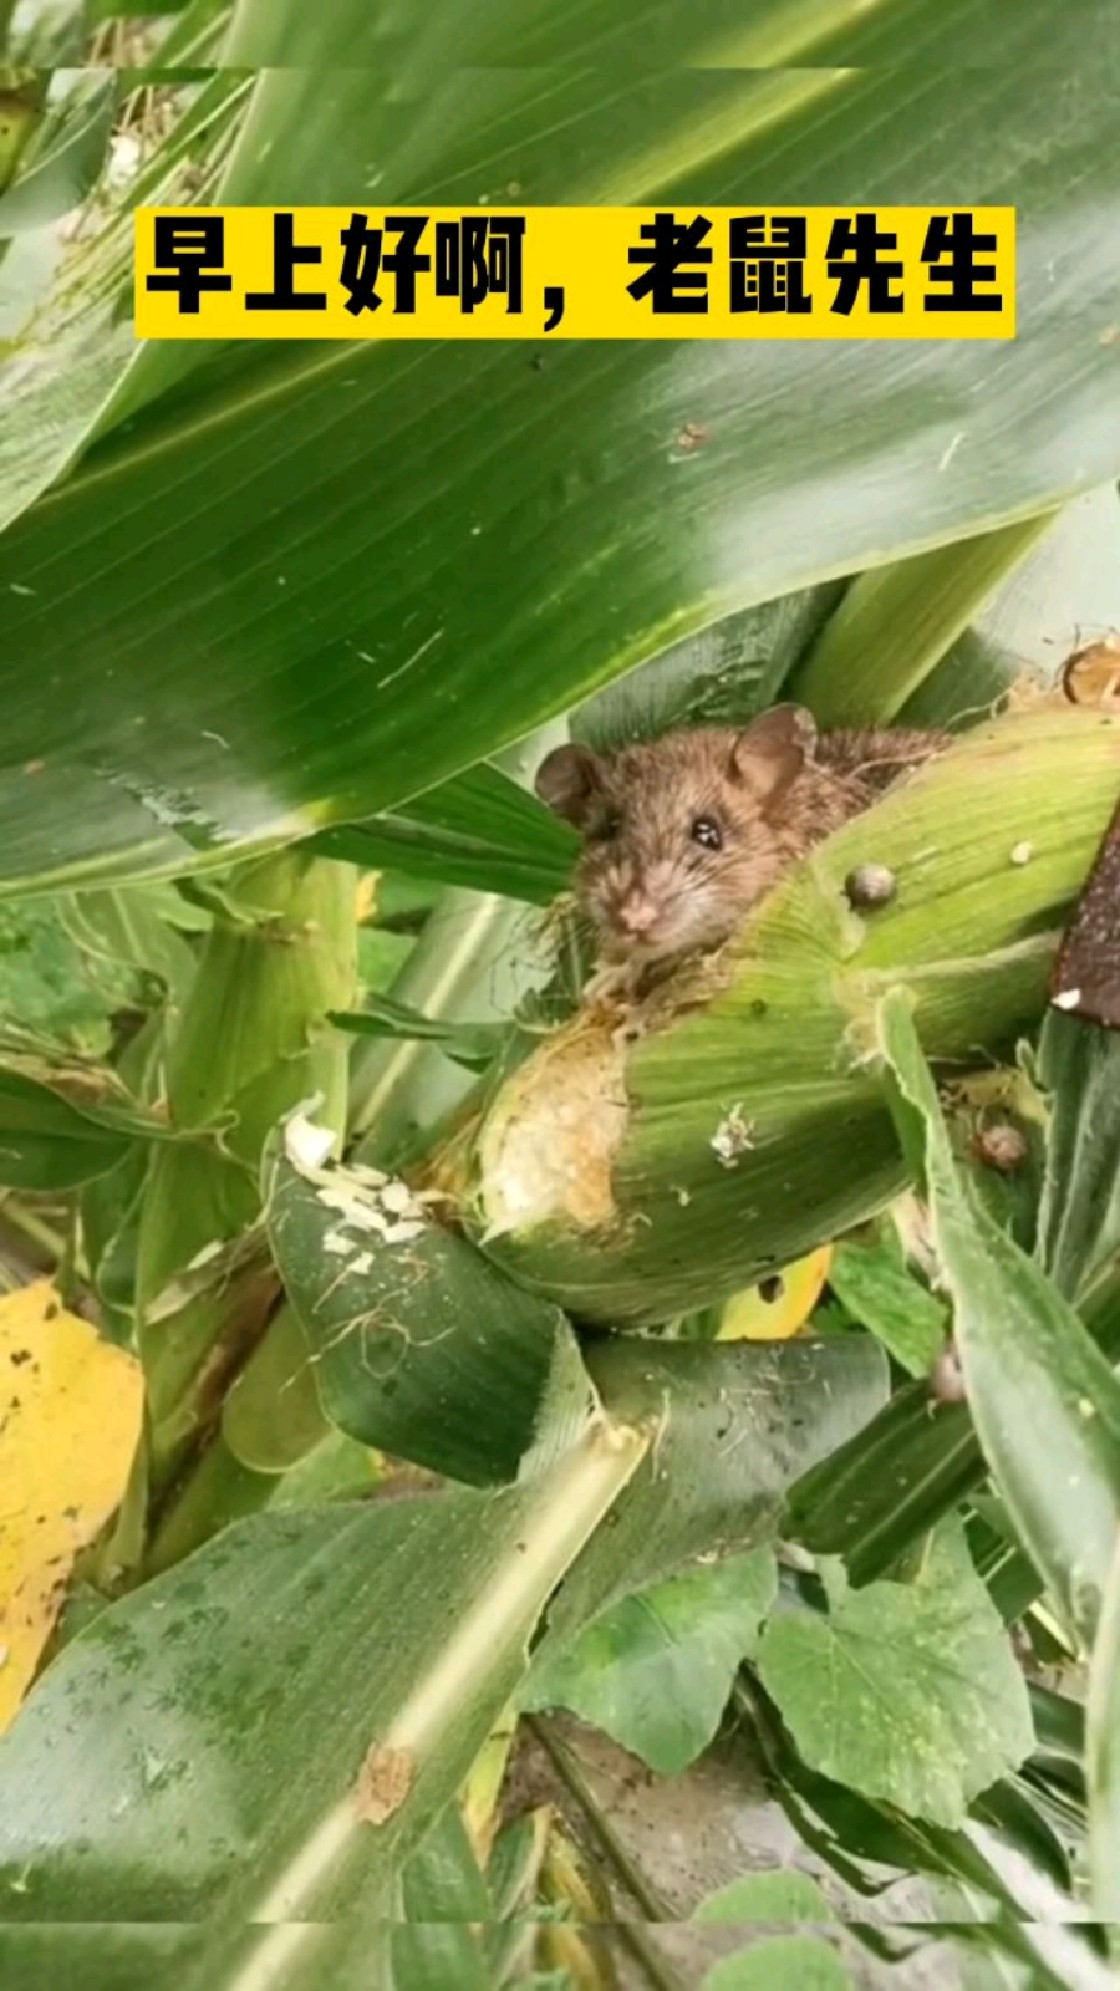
pixel 636 913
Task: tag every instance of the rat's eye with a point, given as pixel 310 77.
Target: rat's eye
pixel 705 830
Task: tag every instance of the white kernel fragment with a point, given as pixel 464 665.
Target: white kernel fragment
pixel 732 1137
pixel 360 1215
pixel 305 1144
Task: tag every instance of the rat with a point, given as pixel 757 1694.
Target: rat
pixel 684 834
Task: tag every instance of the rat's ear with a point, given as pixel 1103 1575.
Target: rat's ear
pixel 568 781
pixel 769 754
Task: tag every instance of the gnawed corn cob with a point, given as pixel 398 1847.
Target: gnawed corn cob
pixel 635 1180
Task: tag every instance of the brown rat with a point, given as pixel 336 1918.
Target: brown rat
pixel 683 834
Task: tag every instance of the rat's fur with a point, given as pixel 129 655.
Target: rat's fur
pixel 774 789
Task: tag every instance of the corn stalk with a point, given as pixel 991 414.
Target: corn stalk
pixel 252 1043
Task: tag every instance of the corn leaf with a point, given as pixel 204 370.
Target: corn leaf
pixel 422 1607
pixel 271 1417
pixel 474 1045
pixel 875 1496
pixel 1063 592
pixel 857 670
pixel 872 1498
pixel 70 1405
pixel 1102 1757
pixel 737 1424
pixel 480 829
pixel 143 929
pixel 877 1290
pixel 489 601
pixel 62 1124
pixel 64 316
pixel 416 1344
pixel 251 1044
pixel 1079 1207
pixel 141 1777
pixel 1043 1398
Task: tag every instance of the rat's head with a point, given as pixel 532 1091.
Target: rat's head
pixel 681 834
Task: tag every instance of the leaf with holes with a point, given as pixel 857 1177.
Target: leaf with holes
pixel 655 1672
pixel 908 1692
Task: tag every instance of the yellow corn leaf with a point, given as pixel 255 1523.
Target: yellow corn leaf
pixel 367 895
pixel 778 1307
pixel 70 1407
pixel 480 1794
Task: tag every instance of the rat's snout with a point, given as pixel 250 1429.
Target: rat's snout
pixel 637 912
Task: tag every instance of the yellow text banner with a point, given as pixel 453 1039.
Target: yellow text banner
pixel 544 273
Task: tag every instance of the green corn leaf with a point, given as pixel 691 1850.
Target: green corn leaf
pixel 858 670
pixel 1064 592
pixel 366 1651
pixel 421 1607
pixel 1102 1754
pixel 1043 1398
pixel 738 1423
pixel 1079 1206
pixel 144 929
pixel 64 1123
pixel 474 1045
pixel 251 1044
pixel 417 1345
pixel 480 829
pixel 871 1499
pixel 874 1497
pixel 271 1417
pixel 488 602
pixel 55 383
pixel 882 1295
